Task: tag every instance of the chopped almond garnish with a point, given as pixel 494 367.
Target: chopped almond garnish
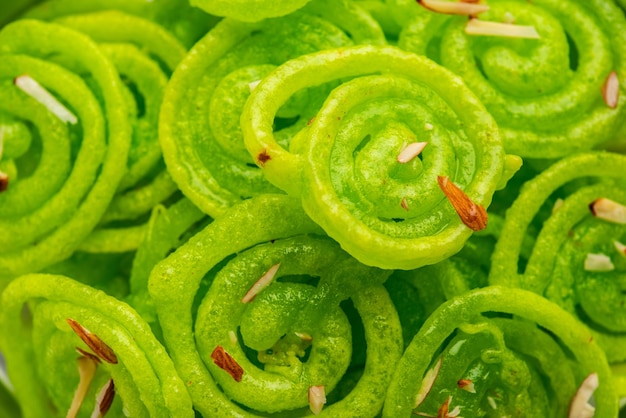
pixel 4 181
pixel 86 371
pixel 455 412
pixel 474 216
pixel 233 337
pixel 252 85
pixel 31 87
pixel 404 204
pixel 87 354
pixel 580 407
pixel 94 342
pixel 263 157
pixel 444 410
pixel 557 205
pixel 260 284
pixel 598 262
pixel 104 400
pixel 317 399
pixel 485 27
pixel 411 151
pixel 304 336
pixel 226 362
pixel 467 385
pixel 621 248
pixel 610 90
pixel 454 7
pixel 428 382
pixel 608 210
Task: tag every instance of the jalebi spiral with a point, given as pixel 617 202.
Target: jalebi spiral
pixel 317 207
pixel 199 130
pixel 295 327
pixel 545 93
pixel 145 55
pixel 472 356
pixel 40 350
pixel 62 175
pixel 345 166
pixel 561 264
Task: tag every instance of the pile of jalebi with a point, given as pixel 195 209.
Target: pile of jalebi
pixel 344 208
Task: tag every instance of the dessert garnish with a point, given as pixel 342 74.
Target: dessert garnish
pixel 226 362
pixel 427 382
pixel 598 262
pixel 31 87
pixel 86 370
pixel 474 216
pixel 608 210
pixel 580 406
pixel 104 400
pixel 317 399
pixel 94 342
pixel 467 385
pixel 411 151
pixel 4 181
pixel 610 90
pixel 454 7
pixel 260 284
pixel 484 27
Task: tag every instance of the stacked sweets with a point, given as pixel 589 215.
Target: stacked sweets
pixel 344 208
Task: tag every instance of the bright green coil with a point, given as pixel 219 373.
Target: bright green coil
pixel 199 126
pixel 62 176
pixel 516 365
pixel 546 93
pixel 145 55
pixel 41 355
pixel 198 292
pixel 555 267
pixel 343 164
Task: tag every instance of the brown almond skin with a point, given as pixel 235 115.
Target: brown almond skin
pixel 473 215
pixel 94 342
pixel 226 362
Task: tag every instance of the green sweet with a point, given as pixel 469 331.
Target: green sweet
pixel 68 174
pixel 227 257
pixel 199 127
pixel 555 266
pixel 343 164
pixel 145 55
pixel 42 360
pixel 507 359
pixel 545 94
